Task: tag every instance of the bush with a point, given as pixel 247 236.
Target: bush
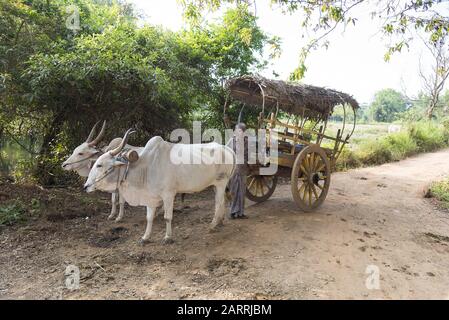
pixel 373 152
pixel 418 137
pixel 400 145
pixel 440 190
pixel 347 160
pixel 428 135
pixel 12 213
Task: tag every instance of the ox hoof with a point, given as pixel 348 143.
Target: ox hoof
pixel 215 227
pixel 167 241
pixel 118 219
pixel 143 242
pixel 111 217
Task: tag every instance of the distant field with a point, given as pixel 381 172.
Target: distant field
pixel 363 132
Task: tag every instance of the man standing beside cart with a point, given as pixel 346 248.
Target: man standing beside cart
pixel 237 183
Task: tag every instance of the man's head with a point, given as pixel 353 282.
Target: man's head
pixel 240 128
pixel 104 173
pixel 82 157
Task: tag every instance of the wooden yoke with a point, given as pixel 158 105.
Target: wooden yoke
pixel 132 156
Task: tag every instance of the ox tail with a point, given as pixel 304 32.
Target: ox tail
pixel 234 161
pixel 228 193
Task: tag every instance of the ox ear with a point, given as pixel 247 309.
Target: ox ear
pixel 119 161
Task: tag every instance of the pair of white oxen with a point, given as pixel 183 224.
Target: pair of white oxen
pixel 148 176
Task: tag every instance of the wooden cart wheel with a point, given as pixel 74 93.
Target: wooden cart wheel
pixel 311 177
pixel 260 188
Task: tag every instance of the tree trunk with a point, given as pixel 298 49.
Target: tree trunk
pixel 431 107
pixel 430 111
pixel 45 168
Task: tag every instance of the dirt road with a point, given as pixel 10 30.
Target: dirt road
pixel 373 218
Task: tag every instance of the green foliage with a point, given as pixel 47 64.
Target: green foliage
pixel 392 147
pixel 12 213
pixel 57 83
pixel 230 48
pixel 428 135
pixel 347 160
pixel 416 138
pixel 418 110
pixel 23 170
pixel 37 28
pixel 387 105
pixel 35 206
pixel 440 190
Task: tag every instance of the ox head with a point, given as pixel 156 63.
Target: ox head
pixel 105 174
pixel 83 155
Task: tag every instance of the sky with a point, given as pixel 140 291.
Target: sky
pixel 353 62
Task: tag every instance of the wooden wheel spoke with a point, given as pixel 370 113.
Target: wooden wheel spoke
pixel 250 185
pixel 261 182
pixel 316 163
pixel 265 182
pixel 311 161
pixel 315 192
pixel 302 191
pixel 304 171
pixel 320 168
pixel 316 159
pixel 310 195
pixel 258 187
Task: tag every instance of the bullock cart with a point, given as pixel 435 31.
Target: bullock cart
pixel 296 117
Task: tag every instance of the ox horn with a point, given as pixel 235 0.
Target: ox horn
pixel 117 150
pixel 100 135
pixel 91 134
pixel 240 115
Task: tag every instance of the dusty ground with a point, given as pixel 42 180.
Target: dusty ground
pixel 372 216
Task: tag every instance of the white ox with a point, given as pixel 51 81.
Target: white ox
pixel 85 155
pixel 155 179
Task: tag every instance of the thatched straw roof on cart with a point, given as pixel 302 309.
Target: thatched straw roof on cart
pixel 298 99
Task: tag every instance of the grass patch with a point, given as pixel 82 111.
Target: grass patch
pixel 440 190
pixel 11 213
pixel 414 138
pixel 428 136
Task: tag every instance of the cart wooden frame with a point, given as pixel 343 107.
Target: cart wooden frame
pixel 302 154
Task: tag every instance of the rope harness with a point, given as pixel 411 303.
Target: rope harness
pixel 87 158
pixel 119 158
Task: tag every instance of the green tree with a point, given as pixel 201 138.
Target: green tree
pixel 230 48
pixel 387 105
pixel 33 28
pixel 146 77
